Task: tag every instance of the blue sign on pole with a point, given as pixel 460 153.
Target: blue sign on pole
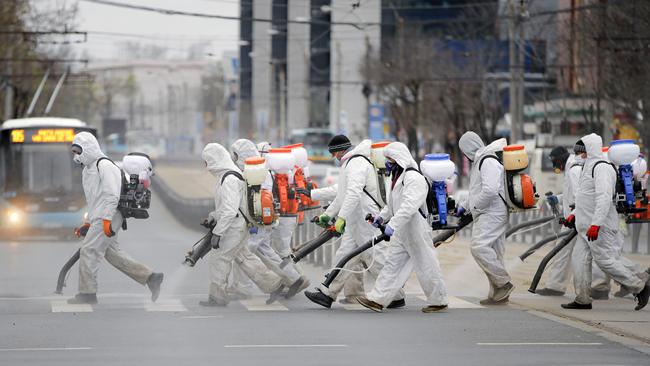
pixel 376 122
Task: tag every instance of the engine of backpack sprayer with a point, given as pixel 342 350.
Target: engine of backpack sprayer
pixel 260 204
pixel 135 198
pixel 631 195
pixel 438 168
pixel 521 192
pixel 281 162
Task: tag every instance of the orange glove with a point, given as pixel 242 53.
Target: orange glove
pixel 81 231
pixel 108 231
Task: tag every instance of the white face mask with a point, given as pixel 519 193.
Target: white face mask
pixel 77 159
pixel 578 160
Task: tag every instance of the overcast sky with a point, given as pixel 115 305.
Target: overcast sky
pixel 175 32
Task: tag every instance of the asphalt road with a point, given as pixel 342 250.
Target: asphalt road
pixel 37 328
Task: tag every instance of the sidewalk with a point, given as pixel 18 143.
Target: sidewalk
pixel 615 316
pixel 187 181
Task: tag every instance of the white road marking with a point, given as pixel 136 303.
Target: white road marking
pixel 62 306
pixel 540 344
pixel 458 303
pixel 44 349
pixel 203 317
pixel 173 305
pixel 259 304
pixel 287 346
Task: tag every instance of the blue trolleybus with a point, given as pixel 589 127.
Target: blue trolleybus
pixel 41 185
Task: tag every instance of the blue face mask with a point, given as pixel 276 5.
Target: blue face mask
pixel 389 166
pixel 337 162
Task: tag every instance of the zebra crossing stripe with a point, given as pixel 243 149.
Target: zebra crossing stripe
pixel 259 304
pixel 458 303
pixel 62 306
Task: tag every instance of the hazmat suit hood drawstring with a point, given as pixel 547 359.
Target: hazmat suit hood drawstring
pixel 594 146
pixel 218 159
pixel 90 150
pixel 243 149
pixel 363 148
pixel 263 148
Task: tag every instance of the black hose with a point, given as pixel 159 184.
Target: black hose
pixel 518 227
pixel 310 246
pixel 548 257
pixel 60 283
pixel 335 272
pixel 441 238
pixel 541 243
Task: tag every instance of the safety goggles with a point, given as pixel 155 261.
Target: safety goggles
pixel 76 149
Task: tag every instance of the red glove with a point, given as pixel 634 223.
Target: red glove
pixel 108 231
pixel 570 221
pixel 81 231
pixel 592 233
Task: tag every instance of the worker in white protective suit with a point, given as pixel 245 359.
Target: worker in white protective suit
pixel 487 205
pixel 571 165
pixel 356 197
pixel 411 244
pixel 230 234
pixel 597 225
pixel 354 286
pixel 102 182
pixel 260 239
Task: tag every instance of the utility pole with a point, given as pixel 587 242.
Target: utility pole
pixel 516 49
pixel 9 91
pixel 339 65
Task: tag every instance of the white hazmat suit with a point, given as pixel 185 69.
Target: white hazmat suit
pixel 411 246
pixel 260 243
pixel 102 186
pixel 595 207
pixel 231 229
pixel 490 213
pixel 352 204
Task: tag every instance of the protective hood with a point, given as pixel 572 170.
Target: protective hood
pixel 494 146
pixel 90 150
pixel 363 148
pixel 401 154
pixel 263 148
pixel 470 143
pixel 217 159
pixel 594 146
pixel 243 149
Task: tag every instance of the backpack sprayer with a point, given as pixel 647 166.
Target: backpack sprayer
pixel 630 196
pixel 281 161
pixel 438 169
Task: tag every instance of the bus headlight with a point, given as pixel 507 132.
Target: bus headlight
pixel 14 217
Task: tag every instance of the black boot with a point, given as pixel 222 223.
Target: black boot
pixel 85 299
pixel 153 282
pixel 549 292
pixel 643 296
pixel 319 298
pixel 577 306
pixel 396 304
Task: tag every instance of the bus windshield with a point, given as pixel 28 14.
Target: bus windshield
pixel 41 170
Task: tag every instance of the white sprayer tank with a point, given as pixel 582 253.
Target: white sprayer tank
pixel 437 167
pixel 377 154
pixel 255 171
pixel 623 152
pixel 299 154
pixel 280 160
